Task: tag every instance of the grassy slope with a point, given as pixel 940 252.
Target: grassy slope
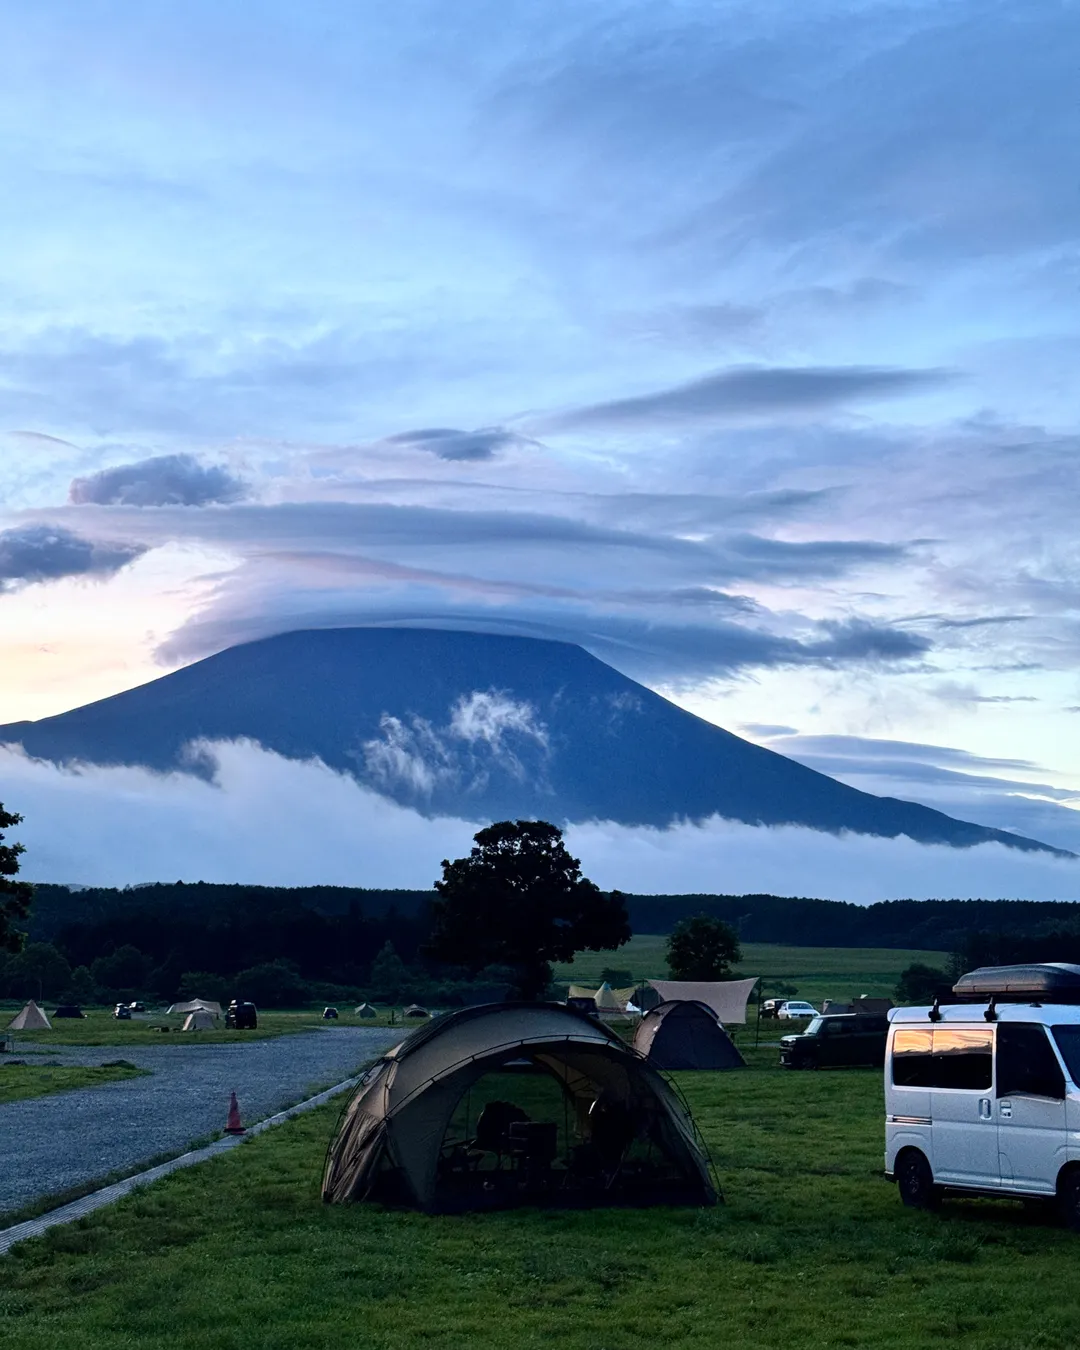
pixel 813 1249
pixel 18 1081
pixel 101 1028
pixel 817 972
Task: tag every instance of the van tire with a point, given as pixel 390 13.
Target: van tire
pixel 1068 1198
pixel 916 1181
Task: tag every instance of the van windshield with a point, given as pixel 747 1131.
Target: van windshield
pixel 1068 1042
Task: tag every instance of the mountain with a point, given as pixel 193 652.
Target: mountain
pixel 477 726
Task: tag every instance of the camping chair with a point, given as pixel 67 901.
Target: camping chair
pixel 533 1146
pixel 493 1131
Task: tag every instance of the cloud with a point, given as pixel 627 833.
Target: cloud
pixel 482 444
pixel 165 480
pixel 36 553
pixel 758 391
pixel 123 826
pixel 767 730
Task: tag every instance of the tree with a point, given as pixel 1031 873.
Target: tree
pixel 123 974
pixel 921 983
pixel 388 975
pixel 273 984
pixel 15 896
pixel 702 948
pixel 38 971
pixel 81 989
pixel 519 900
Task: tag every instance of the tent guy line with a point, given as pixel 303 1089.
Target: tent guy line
pixel 108 1195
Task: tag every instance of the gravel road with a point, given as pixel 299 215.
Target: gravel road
pixel 49 1144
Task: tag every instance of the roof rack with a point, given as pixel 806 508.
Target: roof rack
pixel 1050 981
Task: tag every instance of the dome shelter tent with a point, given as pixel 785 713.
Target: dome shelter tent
pixel 685 1035
pixel 365 1010
pixel 197 1005
pixel 199 1020
pixel 30 1019
pixel 511 1103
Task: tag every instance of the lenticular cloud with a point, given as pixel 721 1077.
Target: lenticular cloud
pixel 268 820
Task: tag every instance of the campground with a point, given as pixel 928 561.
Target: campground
pixel 812 1249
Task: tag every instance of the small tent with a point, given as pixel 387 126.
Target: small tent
pixel 30 1019
pixel 685 1035
pixel 197 1005
pixel 510 1103
pixel 607 1000
pixel 365 1010
pixel 415 1010
pixel 199 1020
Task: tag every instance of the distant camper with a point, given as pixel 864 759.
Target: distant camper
pixel 982 1095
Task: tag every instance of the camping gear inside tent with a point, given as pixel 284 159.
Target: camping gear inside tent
pixel 685 1035
pixel 199 1020
pixel 727 998
pixel 30 1019
pixel 197 1005
pixel 512 1103
pixel 365 1010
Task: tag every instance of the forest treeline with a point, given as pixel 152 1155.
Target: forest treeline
pixel 285 945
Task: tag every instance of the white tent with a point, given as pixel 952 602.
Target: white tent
pixel 199 1020
pixel 727 998
pixel 30 1019
pixel 365 1010
pixel 198 1005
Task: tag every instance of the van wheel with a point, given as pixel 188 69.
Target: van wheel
pixel 1069 1199
pixel 916 1181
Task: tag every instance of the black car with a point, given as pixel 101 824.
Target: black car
pixel 835 1041
pixel 242 1015
pixel 122 1012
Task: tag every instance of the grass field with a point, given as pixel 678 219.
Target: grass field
pixel 18 1081
pixel 816 972
pixel 813 1249
pixel 101 1028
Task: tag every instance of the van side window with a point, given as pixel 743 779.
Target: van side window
pixel 912 1064
pixel 963 1058
pixel 1067 1037
pixel 1026 1063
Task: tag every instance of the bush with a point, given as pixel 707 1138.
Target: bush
pixel 921 983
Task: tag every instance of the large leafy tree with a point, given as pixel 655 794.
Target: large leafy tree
pixel 702 948
pixel 519 900
pixel 15 895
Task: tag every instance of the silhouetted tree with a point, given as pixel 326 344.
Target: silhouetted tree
pixel 38 971
pixel 519 900
pixel 388 975
pixel 702 948
pixel 921 983
pixel 15 896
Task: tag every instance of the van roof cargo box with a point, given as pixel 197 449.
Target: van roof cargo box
pixel 1053 981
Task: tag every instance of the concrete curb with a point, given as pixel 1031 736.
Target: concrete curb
pixel 32 1228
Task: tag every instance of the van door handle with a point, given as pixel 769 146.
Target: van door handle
pixel 984 1108
pixel 1005 1108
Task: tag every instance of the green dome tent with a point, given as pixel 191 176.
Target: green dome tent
pixel 511 1103
pixel 685 1035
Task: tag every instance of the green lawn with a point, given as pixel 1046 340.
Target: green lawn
pixel 39 1080
pixel 812 1250
pixel 101 1028
pixel 816 972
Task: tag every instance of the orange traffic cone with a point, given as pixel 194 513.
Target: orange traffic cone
pixel 232 1125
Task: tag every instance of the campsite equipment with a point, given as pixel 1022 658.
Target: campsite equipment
pixel 685 1035
pixel 197 1005
pixel 200 1020
pixel 232 1123
pixel 30 1019
pixel 982 1095
pixel 365 1010
pixel 415 1010
pixel 445 1121
pixel 727 998
pixel 835 1041
pixel 68 1010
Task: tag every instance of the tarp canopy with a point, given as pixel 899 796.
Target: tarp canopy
pixel 685 1035
pixel 415 1131
pixel 727 998
pixel 197 1005
pixel 30 1019
pixel 199 1020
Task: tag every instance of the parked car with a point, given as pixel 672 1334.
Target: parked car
pixel 122 1012
pixel 137 1007
pixel 982 1094
pixel 242 1015
pixel 837 1039
pixel 770 1007
pixel 791 1009
pixel 330 1014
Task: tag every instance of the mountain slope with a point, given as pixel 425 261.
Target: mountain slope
pixel 477 726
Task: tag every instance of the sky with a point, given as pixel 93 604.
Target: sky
pixel 736 342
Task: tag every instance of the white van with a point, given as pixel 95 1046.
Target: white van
pixel 982 1096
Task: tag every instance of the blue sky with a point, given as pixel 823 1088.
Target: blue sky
pixel 735 341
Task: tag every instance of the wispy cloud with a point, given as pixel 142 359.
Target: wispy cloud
pixel 164 480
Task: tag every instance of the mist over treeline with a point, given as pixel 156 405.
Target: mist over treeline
pixel 287 945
